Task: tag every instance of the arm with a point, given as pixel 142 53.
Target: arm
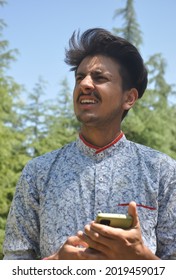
pixel 22 229
pixel 166 226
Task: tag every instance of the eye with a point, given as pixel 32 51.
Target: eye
pixel 78 79
pixel 100 78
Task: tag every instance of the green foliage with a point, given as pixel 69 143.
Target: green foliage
pixel 130 29
pixel 152 121
pixel 2 234
pixel 48 124
pixel 63 124
pixel 33 115
pixel 151 127
pixel 12 150
pixel 153 115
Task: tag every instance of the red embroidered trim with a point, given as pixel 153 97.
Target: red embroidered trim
pixel 98 150
pixel 138 205
pixel 110 144
pixel 86 143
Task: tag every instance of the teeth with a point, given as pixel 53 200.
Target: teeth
pixel 89 101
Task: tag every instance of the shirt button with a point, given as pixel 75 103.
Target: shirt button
pixel 101 179
pixel 100 155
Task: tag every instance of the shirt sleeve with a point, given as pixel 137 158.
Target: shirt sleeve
pixel 166 227
pixel 22 228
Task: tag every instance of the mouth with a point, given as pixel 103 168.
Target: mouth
pixel 88 101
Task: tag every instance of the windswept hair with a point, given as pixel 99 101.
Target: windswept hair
pixel 100 41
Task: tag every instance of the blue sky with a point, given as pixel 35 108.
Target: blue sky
pixel 40 30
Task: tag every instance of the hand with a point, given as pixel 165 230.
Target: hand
pixel 114 243
pixel 70 250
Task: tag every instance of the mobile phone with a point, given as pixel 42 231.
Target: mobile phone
pixel 115 220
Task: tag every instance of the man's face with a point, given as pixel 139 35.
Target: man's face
pixel 98 96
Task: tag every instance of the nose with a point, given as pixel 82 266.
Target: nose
pixel 87 84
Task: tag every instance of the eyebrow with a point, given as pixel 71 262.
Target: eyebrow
pixel 79 73
pixel 94 72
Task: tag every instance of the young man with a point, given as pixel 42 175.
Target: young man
pixel 60 193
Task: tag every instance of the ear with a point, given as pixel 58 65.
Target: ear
pixel 130 97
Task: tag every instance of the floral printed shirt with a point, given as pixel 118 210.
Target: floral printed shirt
pixel 60 192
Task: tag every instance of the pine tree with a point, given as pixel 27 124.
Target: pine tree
pixel 12 151
pixel 34 118
pixel 151 120
pixel 130 30
pixel 61 122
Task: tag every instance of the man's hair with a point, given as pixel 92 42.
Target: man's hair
pixel 97 41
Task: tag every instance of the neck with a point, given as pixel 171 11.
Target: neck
pixel 99 138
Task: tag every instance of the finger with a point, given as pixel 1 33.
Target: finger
pixel 72 248
pixel 95 241
pixel 107 231
pixel 132 211
pixel 83 237
pixel 97 236
pixel 91 254
pixel 88 238
pixel 75 241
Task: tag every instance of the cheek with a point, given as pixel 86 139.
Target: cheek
pixel 113 103
pixel 113 96
pixel 75 95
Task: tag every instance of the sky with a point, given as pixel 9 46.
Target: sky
pixel 40 30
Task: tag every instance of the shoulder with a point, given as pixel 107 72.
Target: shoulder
pixel 149 152
pixel 43 163
pixel 151 156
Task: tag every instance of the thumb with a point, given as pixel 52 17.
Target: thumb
pixel 132 211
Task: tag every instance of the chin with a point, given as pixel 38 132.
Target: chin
pixel 87 119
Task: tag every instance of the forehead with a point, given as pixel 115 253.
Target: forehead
pixel 98 63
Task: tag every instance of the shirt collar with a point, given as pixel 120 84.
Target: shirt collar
pixel 91 150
